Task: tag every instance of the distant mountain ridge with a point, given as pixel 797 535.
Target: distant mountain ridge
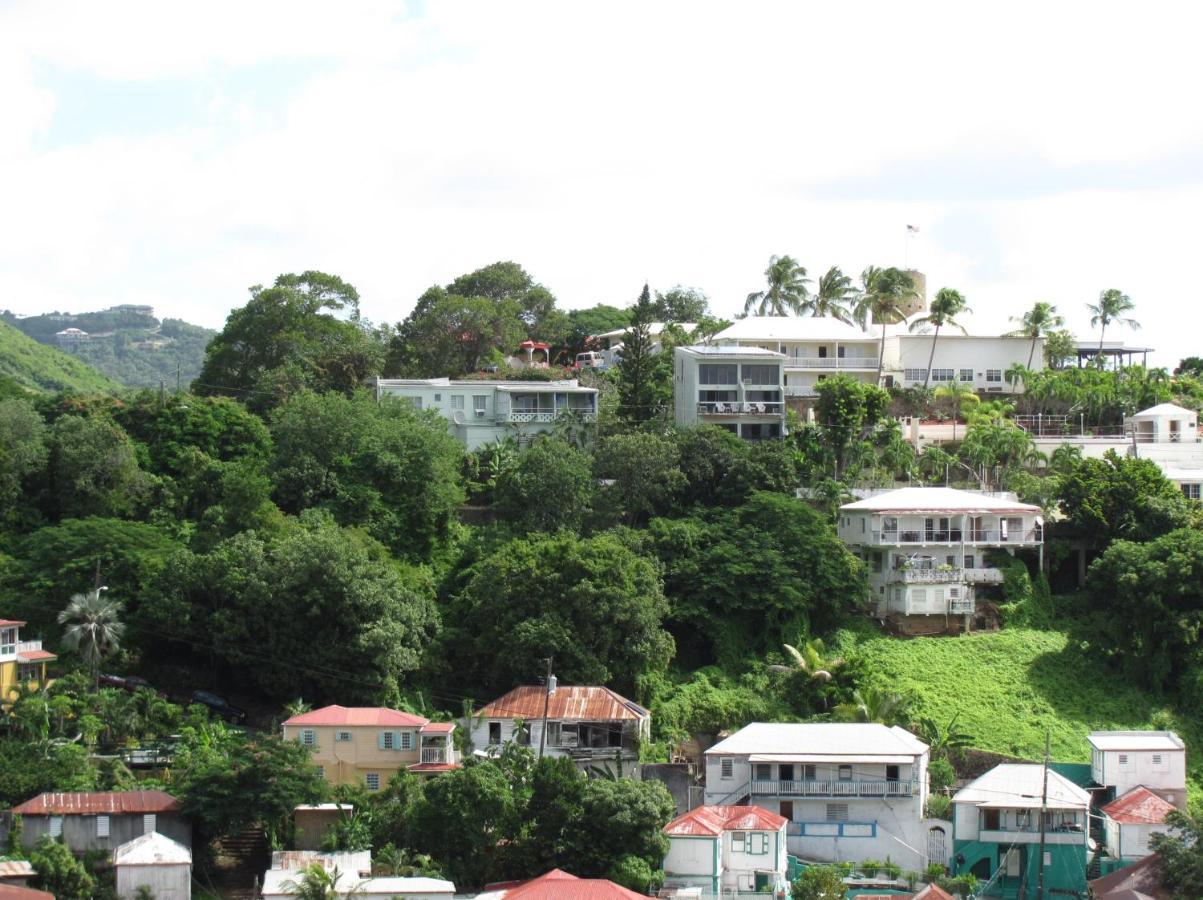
pixel 126 343
pixel 28 364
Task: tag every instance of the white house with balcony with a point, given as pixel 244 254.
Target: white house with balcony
pixel 850 792
pixel 726 850
pixel 1123 760
pixel 926 548
pixel 483 412
pixel 979 361
pixel 814 347
pixel 740 389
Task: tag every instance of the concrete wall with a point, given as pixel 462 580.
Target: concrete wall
pixel 165 882
pixel 984 357
pixel 79 832
pixel 696 859
pixel 676 778
pixel 1140 769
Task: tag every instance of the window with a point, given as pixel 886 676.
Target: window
pixel 809 772
pixel 877 562
pixel 8 641
pixel 438 398
pixel 1123 759
pixel 343 736
pixel 753 374
pixel 321 771
pixel 994 374
pixel 479 402
pixel 941 374
pixel 148 823
pixel 915 374
pixel 845 773
pixel 970 561
pixel 965 375
pixel 56 826
pixel 764 772
pixel 837 812
pixel 415 402
pixel 309 737
pixel 407 740
pixel 1157 759
pixel 726 768
pixel 759 844
pixel 388 740
pixel 372 780
pixel 523 735
pixel 102 826
pixel 494 733
pixel 715 373
pixel 1191 491
pixel 457 401
pixel 739 841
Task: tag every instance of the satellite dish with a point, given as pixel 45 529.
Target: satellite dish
pixel 458 417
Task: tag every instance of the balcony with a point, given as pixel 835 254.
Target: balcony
pixel 522 416
pixel 961 607
pixel 831 362
pixel 1031 835
pixel 770 788
pixel 801 390
pixel 746 408
pixel 956 536
pixel 934 575
pixel 436 755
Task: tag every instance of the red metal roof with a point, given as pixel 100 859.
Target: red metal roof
pixel 34 655
pixel 714 820
pixel 5 623
pixel 559 885
pixel 1139 806
pixel 597 704
pixel 21 893
pixel 99 802
pixel 933 892
pixel 438 728
pixel 358 715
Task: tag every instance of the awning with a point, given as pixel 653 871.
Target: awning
pixel 1018 803
pixel 841 759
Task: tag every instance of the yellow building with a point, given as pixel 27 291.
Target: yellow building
pixel 21 662
pixel 369 744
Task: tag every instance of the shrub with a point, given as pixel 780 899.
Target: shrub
pixel 820 883
pixel 941 773
pixel 634 872
pixel 938 806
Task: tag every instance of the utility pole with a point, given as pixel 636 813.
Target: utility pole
pixel 549 688
pixel 1043 819
pixel 177 379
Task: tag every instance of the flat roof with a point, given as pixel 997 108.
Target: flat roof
pixel 1135 740
pixel 729 350
pixel 793 328
pixel 814 740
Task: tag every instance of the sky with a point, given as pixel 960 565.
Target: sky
pixel 176 154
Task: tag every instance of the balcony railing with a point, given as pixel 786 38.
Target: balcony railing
pixel 955 536
pixel 935 575
pixel 543 415
pixel 830 362
pixel 27 646
pixel 960 607
pixel 800 390
pixel 746 408
pixel 771 788
pixel 434 755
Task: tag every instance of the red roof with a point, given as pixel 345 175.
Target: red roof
pixel 1139 806
pixel 99 802
pixel 438 728
pixel 21 893
pixel 559 885
pixel 714 820
pixel 586 703
pixel 5 623
pixel 358 715
pixel 34 655
pixel 933 892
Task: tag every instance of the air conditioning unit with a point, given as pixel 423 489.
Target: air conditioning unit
pixel 480 413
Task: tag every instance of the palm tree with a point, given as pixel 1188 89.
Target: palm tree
pixel 93 628
pixel 813 661
pixel 786 292
pixel 871 705
pixel 1111 308
pixel 1017 374
pixel 945 307
pixel 835 295
pixel 959 394
pixel 1036 323
pixel 943 738
pixel 884 294
pixel 319 884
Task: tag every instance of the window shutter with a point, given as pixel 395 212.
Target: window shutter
pixel 148 823
pixel 399 740
pixel 380 741
pixel 102 826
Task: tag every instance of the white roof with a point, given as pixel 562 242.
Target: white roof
pixel 937 499
pixel 1163 409
pixel 814 740
pixel 1135 740
pixel 348 861
pixel 275 883
pixel 152 849
pixel 792 328
pixel 1019 785
pixel 654 328
pixel 728 350
pixel 324 806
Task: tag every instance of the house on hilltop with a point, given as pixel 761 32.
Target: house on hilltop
pixel 739 389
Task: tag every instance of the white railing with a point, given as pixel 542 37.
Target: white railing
pixel 26 646
pixel 747 408
pixel 983 576
pixel 830 362
pixel 543 415
pixel 954 536
pixel 933 575
pixel 834 788
pixel 434 755
pixel 960 607
pixel 799 390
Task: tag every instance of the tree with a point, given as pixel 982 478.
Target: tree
pixel 379 465
pixel 943 310
pixel 1110 309
pixel 1060 347
pixel 29 768
pixel 1191 366
pixel 451 334
pixel 834 297
pixel 999 443
pixel 1181 853
pixel 644 471
pixel 681 304
pixel 629 815
pixel 59 872
pixel 959 395
pixel 93 469
pixel 593 602
pixel 814 665
pixel 884 296
pixel 94 628
pixel 508 282
pixel 786 293
pixel 551 488
pixel 819 883
pixel 1038 322
pixel 706 456
pixel 319 883
pixel 23 452
pixel 846 410
pixel 872 705
pixel 641 393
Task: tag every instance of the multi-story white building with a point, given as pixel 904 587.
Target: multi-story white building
pixel 979 361
pixel 814 348
pixel 740 389
pixel 1123 760
pixel 850 791
pixel 727 849
pixel 926 548
pixel 482 412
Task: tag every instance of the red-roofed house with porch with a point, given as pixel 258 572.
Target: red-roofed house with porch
pixel 21 662
pixel 1131 820
pixel 727 848
pixel 368 744
pixel 559 885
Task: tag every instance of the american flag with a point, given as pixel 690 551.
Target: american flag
pixel 913 229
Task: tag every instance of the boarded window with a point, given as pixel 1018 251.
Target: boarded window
pixel 102 826
pixel 845 773
pixel 56 826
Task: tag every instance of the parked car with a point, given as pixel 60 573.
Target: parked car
pixel 124 682
pixel 219 705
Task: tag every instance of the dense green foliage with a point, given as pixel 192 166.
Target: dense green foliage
pixel 551 487
pixel 1181 852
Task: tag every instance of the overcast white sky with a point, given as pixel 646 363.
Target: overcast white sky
pixel 175 154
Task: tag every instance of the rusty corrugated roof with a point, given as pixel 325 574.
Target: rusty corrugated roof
pixel 34 655
pixel 1139 806
pixel 99 803
pixel 595 704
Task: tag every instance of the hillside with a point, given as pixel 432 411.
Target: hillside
pixel 38 367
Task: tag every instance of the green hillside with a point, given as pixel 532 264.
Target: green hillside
pixel 42 368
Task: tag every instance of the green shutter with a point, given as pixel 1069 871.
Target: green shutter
pixel 397 740
pixel 380 741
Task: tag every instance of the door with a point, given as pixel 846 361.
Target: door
pixel 891 773
pixel 786 809
pixel 785 772
pixel 937 846
pixel 822 352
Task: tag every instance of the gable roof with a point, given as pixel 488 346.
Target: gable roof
pixel 568 702
pixel 22 893
pixel 937 499
pixel 99 802
pixel 792 328
pixel 358 715
pixel 1019 785
pixel 1164 409
pixel 1141 879
pixel 815 740
pixel 714 820
pixel 559 885
pixel 152 849
pixel 1135 740
pixel 1139 806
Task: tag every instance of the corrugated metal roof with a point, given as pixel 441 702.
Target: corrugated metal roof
pixel 438 728
pixel 714 820
pixel 1019 785
pixel 16 868
pixel 19 893
pixel 1139 806
pixel 937 499
pixel 35 655
pixel 594 704
pixel 99 803
pixel 1135 740
pixel 559 885
pixel 152 849
pixel 358 715
pixel 813 740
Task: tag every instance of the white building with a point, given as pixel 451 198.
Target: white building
pixel 354 878
pixel 70 338
pixel 740 389
pixel 814 348
pixel 154 861
pixel 1131 820
pixel 483 412
pixel 850 791
pixel 727 849
pixel 926 548
pixel 609 344
pixel 978 361
pixel 1123 760
pixel 1169 436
